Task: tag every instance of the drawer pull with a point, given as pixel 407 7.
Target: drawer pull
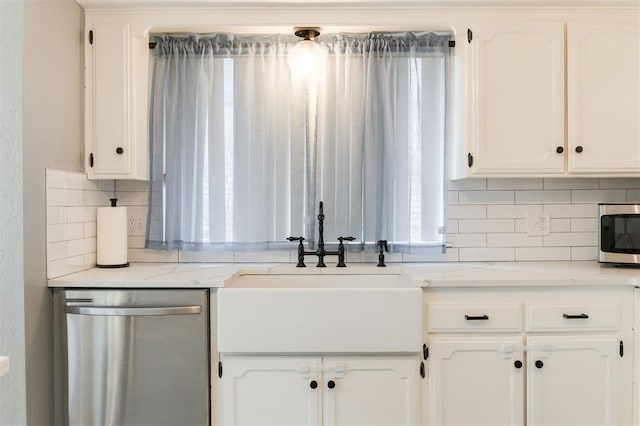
pixel 476 318
pixel 581 316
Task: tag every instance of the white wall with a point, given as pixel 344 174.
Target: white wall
pixel 52 129
pixel 12 336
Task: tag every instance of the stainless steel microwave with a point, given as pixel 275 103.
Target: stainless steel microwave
pixel 619 233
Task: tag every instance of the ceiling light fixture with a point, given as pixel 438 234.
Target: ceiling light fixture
pixel 306 55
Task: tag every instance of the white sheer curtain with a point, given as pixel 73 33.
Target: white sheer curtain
pixel 243 150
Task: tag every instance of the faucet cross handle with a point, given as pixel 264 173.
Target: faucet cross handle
pixel 301 239
pixel 341 239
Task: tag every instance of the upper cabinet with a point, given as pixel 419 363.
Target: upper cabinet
pixel 518 109
pixel 115 114
pixel 517 100
pixel 603 98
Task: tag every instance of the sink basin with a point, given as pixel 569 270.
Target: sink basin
pixel 319 313
pixel 320 281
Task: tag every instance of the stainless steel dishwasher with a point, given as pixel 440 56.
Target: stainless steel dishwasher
pixel 135 357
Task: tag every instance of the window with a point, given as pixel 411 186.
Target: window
pixel 243 148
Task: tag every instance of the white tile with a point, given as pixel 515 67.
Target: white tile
pixel 620 183
pixel 134 241
pixel 56 251
pixel 452 198
pixel 452 226
pixel 76 180
pixel 468 240
pixel 56 215
pixel 89 229
pixel 512 211
pixel 571 183
pixel 77 247
pixel 571 210
pixel 56 197
pixel 584 253
pixel 472 226
pixel 633 196
pixel 521 225
pixel 360 257
pixel 598 196
pixel 90 260
pixel 469 211
pixel 277 256
pixel 132 185
pixel 493 184
pixel 468 184
pixel 91 185
pixel 74 231
pixel 487 254
pixel 452 255
pixel 151 255
pixel 485 197
pixel 560 225
pixel 543 197
pixel 56 233
pixel 81 214
pixel 513 240
pixel 571 239
pixel 95 198
pixel 66 266
pixel 55 179
pixel 584 225
pixel 133 198
pixel 543 253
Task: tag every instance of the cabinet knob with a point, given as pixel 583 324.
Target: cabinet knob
pixel 517 364
pixel 331 384
pixel 119 150
pixel 539 364
pixel 313 384
pixel 559 150
pixel 579 149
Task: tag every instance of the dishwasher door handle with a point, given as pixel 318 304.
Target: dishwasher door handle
pixel 133 311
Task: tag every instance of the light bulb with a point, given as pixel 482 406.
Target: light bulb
pixel 305 57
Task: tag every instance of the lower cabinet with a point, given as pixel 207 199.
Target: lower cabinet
pixel 320 390
pixel 539 357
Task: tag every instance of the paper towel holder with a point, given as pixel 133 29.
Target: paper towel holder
pixel 118 265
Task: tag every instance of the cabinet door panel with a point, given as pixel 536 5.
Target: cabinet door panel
pixel 474 381
pixel 519 108
pixel 371 391
pixel 603 77
pixel 574 380
pixel 271 391
pixel 108 100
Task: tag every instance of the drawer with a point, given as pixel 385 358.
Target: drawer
pixel 473 318
pixel 572 317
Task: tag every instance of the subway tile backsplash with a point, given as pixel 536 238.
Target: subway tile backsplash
pixel 487 221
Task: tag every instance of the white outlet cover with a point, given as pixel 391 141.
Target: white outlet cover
pixel 538 224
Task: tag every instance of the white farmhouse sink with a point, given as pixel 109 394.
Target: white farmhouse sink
pixel 319 313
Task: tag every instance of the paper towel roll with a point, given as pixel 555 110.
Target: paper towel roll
pixel 112 237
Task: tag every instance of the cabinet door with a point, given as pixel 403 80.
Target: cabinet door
pixel 518 112
pixel 576 380
pixel 603 77
pixel 476 381
pixel 371 391
pixel 271 390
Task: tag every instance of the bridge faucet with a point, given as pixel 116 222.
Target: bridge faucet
pixel 321 252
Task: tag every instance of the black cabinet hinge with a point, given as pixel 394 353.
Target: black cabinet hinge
pixel 422 372
pixel 425 351
pixel 621 348
pixel 469 35
pixel 220 369
pixel 90 36
pixel 452 43
pixel 470 159
pixel 91 160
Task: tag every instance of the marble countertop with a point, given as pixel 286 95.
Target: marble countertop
pixel 472 274
pixel 4 365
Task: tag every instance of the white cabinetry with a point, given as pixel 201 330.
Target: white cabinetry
pixel 603 78
pixel 525 356
pixel 314 390
pixel 116 142
pixel 518 113
pixel 516 79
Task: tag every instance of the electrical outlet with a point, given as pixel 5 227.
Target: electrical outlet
pixel 538 225
pixel 135 226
